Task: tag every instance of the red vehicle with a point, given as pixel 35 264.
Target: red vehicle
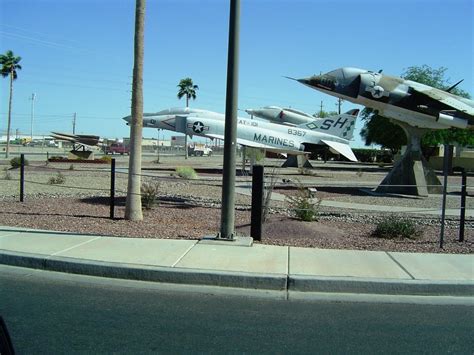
pixel 117 148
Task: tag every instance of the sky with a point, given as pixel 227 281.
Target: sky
pixel 77 55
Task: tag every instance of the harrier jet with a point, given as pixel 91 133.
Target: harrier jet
pixel 407 101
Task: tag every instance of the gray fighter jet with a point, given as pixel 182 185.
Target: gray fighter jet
pixel 79 140
pixel 335 131
pixel 416 104
pixel 287 116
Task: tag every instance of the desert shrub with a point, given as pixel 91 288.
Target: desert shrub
pixel 255 154
pixel 306 171
pixel 57 180
pixel 186 172
pixel 149 192
pixel 302 205
pixel 396 227
pixel 267 197
pixel 106 159
pixel 16 162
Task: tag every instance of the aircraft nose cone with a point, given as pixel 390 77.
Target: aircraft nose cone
pixel 305 81
pixel 319 81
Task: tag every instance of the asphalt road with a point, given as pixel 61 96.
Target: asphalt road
pixel 57 313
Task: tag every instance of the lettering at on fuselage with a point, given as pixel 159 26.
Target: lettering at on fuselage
pixel 248 123
pixel 263 138
pixel 328 123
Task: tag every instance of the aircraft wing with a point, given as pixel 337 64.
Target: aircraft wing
pixel 63 137
pixel 446 99
pixel 341 148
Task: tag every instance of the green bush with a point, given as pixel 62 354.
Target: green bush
pixel 57 180
pixel 149 192
pixel 302 206
pixel 396 227
pixel 372 155
pixel 16 162
pixel 256 154
pixel 186 172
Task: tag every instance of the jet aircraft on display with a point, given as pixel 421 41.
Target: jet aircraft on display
pixel 287 116
pixel 79 140
pixel 407 101
pixel 335 131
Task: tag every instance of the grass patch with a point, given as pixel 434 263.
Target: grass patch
pixel 186 172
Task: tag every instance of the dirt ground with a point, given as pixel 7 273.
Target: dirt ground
pixel 178 220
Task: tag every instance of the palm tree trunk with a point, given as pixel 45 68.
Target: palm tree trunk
pixel 9 115
pixel 185 134
pixel 133 208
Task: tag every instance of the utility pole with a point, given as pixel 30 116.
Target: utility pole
pixel 339 104
pixel 74 124
pixel 230 130
pixel 33 97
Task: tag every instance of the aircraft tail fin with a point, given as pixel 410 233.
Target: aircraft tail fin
pixel 338 125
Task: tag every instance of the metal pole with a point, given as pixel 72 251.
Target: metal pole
pixel 257 203
pixel 74 124
pixel 22 177
pixel 112 188
pixel 33 96
pixel 230 132
pixel 445 186
pixel 463 205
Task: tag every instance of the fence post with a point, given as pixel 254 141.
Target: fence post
pixel 112 188
pixel 257 203
pixel 445 188
pixel 463 204
pixel 22 177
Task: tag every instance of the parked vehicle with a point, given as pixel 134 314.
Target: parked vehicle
pixel 199 150
pixel 117 148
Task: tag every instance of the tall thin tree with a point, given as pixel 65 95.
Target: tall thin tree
pixel 133 207
pixel 10 65
pixel 187 89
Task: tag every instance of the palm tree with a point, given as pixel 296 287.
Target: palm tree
pixel 9 67
pixel 133 207
pixel 188 89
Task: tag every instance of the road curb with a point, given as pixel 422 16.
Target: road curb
pixel 146 272
pixel 280 282
pixel 380 286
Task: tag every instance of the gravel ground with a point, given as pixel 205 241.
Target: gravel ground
pixel 190 210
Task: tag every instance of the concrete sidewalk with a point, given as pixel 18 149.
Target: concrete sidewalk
pixel 255 267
